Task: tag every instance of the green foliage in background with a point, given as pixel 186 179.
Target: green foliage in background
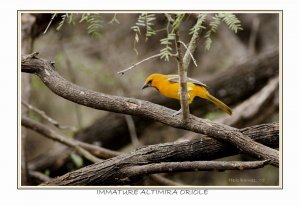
pixel 94 22
pixel 145 26
pixel 204 24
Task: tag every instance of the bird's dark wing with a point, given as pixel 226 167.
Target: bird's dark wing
pixel 175 79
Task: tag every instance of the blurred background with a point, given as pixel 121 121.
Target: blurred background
pixel 237 69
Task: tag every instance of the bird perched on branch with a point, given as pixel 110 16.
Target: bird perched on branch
pixel 168 85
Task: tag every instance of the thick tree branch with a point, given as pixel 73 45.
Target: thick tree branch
pixel 201 148
pixel 193 166
pixel 44 70
pixel 81 146
pixel 115 170
pixel 207 146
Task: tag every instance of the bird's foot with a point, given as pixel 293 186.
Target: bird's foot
pixel 176 113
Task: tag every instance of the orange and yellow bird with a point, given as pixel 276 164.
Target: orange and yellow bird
pixel 168 85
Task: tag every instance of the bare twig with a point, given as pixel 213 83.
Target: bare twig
pixel 138 63
pixel 39 176
pixel 50 22
pixel 132 106
pixel 190 53
pixel 100 152
pixel 46 117
pixel 28 123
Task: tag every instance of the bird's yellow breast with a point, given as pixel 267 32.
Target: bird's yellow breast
pixel 171 90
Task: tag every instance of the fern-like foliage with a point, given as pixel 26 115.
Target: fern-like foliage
pixel 214 24
pixel 199 25
pixel 145 21
pixel 165 53
pixel 64 18
pixel 94 22
pixel 167 42
pixel 229 19
pixel 177 22
pixel 232 21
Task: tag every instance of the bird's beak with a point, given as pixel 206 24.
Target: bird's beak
pixel 145 86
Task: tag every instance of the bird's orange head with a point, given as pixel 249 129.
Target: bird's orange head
pixel 152 80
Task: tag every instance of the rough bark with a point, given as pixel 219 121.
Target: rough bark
pixel 232 86
pixel 57 84
pixel 116 171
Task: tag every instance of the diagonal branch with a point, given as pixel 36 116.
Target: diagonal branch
pixel 46 117
pixel 189 52
pixel 56 137
pixel 45 71
pixel 83 148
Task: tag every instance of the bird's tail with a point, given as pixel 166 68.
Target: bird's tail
pixel 219 104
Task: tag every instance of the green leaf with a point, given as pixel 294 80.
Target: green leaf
pixel 199 25
pixel 77 160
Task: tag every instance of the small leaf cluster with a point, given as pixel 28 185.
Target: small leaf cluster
pixel 145 21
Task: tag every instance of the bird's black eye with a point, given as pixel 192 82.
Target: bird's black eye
pixel 150 82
